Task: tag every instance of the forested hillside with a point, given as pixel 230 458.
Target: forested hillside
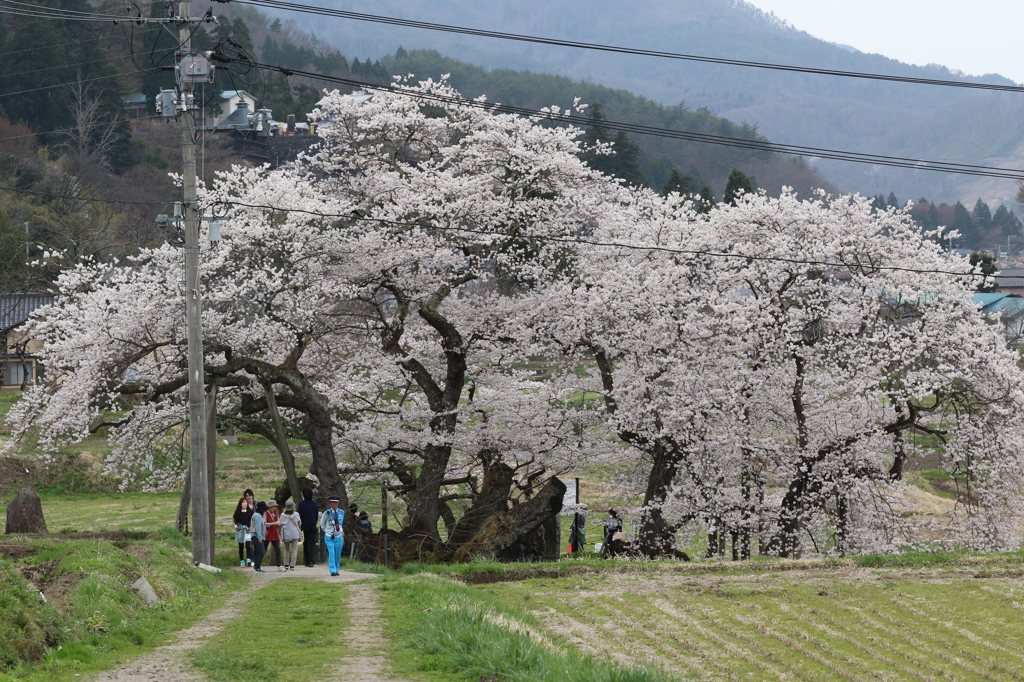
pixel 87 179
pixel 658 155
pixel 866 116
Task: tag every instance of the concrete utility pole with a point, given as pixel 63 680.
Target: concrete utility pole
pixel 202 514
pixel 192 67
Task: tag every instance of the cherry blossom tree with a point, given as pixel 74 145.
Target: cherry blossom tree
pixel 764 366
pixel 359 282
pixel 767 363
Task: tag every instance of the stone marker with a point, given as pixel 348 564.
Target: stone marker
pixel 145 590
pixel 25 513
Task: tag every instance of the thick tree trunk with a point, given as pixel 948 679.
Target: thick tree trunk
pixel 785 542
pixel 422 502
pixel 319 433
pixel 502 534
pixel 657 536
pixel 495 491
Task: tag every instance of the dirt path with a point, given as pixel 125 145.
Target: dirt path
pixel 367 661
pixel 169 661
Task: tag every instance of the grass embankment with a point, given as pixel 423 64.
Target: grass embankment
pixel 90 618
pixel 455 632
pixel 893 624
pixel 288 633
pixel 478 573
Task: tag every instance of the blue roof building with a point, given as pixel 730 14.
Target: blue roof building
pixel 1010 310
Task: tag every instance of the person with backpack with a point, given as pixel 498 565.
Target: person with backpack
pixel 259 536
pixel 273 519
pixel 308 513
pixel 332 523
pixel 290 525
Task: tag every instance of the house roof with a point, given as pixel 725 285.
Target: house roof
pixel 16 308
pixel 1008 305
pixel 136 98
pixel 228 94
pixel 1010 277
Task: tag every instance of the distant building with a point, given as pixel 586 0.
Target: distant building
pixel 230 99
pixel 1010 281
pixel 1009 308
pixel 18 363
pixel 136 105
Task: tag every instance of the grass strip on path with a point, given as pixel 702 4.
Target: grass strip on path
pixel 445 630
pixel 288 632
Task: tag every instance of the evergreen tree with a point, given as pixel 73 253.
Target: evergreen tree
pixel 892 202
pixel 878 203
pixel 623 162
pixel 737 184
pixel 1006 222
pixel 964 224
pixel 982 216
pixel 933 216
pixel 706 201
pixel 987 263
pixel 677 182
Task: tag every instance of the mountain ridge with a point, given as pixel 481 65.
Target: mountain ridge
pixel 856 115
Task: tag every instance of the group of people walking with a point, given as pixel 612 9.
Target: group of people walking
pixel 261 525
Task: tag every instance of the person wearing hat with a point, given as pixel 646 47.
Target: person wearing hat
pixel 612 526
pixel 332 523
pixel 273 519
pixel 290 524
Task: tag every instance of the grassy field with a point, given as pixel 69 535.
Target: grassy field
pixel 851 623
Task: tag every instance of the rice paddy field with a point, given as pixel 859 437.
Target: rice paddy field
pixel 946 623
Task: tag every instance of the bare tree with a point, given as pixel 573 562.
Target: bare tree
pixel 92 134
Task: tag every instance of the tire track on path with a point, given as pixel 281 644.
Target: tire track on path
pixel 365 634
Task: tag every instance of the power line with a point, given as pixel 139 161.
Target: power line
pixel 754 145
pixel 567 240
pixel 91 61
pixel 56 45
pixel 43 12
pixel 95 125
pixel 58 85
pixel 60 17
pixel 409 23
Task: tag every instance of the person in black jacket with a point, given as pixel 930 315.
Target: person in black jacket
pixel 308 512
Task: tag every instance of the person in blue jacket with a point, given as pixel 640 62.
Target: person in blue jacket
pixel 332 523
pixel 259 536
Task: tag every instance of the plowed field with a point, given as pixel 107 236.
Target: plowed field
pixel 849 624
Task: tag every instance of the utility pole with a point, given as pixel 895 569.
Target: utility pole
pixel 192 67
pixel 202 541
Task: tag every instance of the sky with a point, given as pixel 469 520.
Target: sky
pixel 976 36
